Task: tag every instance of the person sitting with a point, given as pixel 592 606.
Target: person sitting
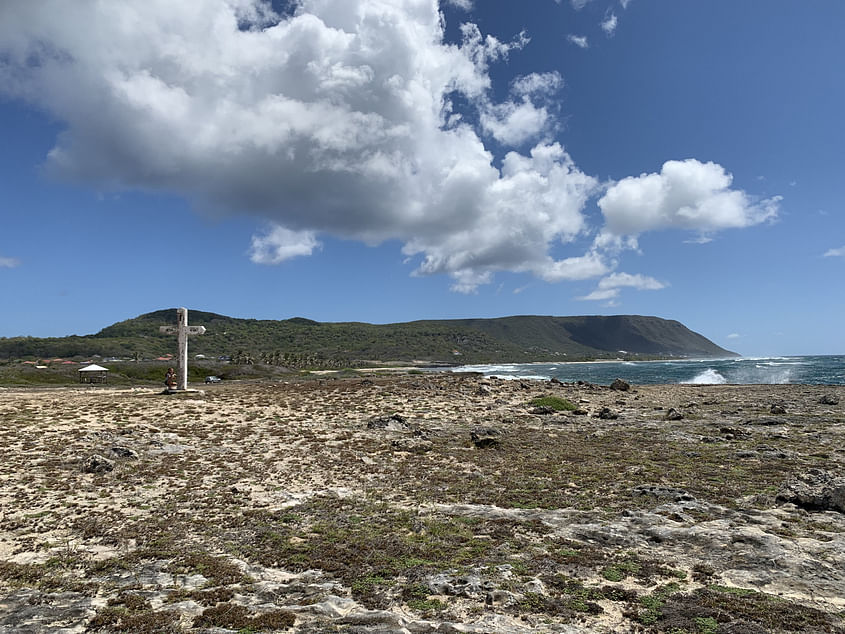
pixel 170 379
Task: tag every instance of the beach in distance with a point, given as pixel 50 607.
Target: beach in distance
pixel 424 502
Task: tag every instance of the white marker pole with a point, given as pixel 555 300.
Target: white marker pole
pixel 182 339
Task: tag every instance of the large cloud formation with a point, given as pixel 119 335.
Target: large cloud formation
pixel 338 117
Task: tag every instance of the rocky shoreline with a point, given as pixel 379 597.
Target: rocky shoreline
pixel 423 503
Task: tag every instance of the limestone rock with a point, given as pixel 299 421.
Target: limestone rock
pixel 486 437
pixel 620 385
pixel 394 422
pixel 663 492
pixel 828 399
pixel 815 490
pixel 98 464
pixel 412 445
pixel 124 452
pixel 607 414
pixel 673 414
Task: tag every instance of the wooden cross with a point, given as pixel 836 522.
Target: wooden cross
pixel 182 330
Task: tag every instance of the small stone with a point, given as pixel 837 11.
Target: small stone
pixel 542 410
pixel 777 409
pixel 607 414
pixel 98 464
pixel 124 452
pixel 393 422
pixel 412 445
pixel 485 437
pixel 674 414
pixel 827 399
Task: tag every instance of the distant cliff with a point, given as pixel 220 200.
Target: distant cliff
pixel 506 339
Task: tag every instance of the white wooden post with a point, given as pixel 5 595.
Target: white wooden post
pixel 182 330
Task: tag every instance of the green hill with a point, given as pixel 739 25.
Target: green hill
pixel 302 341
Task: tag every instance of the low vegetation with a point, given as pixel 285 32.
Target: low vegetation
pixel 301 343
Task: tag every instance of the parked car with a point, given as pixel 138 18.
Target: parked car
pixel 213 379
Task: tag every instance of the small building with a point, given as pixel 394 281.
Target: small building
pixel 93 374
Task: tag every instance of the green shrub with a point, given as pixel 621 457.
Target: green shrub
pixel 554 402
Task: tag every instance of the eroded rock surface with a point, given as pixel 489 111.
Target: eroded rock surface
pixel 367 506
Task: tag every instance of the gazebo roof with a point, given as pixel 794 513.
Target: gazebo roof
pixel 93 368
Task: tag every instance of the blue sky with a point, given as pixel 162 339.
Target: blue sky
pixel 353 160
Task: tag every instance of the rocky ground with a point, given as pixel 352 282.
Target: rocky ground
pixel 423 503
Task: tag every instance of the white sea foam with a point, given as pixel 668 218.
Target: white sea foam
pixel 532 377
pixel 708 377
pixel 487 369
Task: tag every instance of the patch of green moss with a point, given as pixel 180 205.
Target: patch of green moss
pixel 554 402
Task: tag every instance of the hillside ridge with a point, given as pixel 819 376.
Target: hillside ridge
pixel 514 339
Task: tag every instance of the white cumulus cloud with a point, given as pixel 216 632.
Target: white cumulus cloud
pixel 525 115
pixel 346 118
pixel 685 195
pixel 337 118
pixel 280 244
pixel 833 253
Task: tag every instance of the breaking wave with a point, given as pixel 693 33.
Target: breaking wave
pixel 708 377
pixel 806 370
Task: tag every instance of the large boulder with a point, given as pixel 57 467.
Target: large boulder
pixel 815 490
pixel 620 385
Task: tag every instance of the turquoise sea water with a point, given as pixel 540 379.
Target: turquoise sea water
pixel 810 370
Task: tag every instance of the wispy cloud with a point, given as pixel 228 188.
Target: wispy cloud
pixel 466 5
pixel 578 40
pixel 609 287
pixel 9 263
pixel 734 335
pixel 609 24
pixel 835 253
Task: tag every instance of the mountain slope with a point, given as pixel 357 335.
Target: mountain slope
pixel 506 339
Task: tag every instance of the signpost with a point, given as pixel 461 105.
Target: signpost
pixel 182 330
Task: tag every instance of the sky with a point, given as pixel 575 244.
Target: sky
pixel 394 160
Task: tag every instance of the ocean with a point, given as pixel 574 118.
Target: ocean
pixel 809 370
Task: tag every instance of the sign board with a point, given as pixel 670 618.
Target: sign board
pixel 169 330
